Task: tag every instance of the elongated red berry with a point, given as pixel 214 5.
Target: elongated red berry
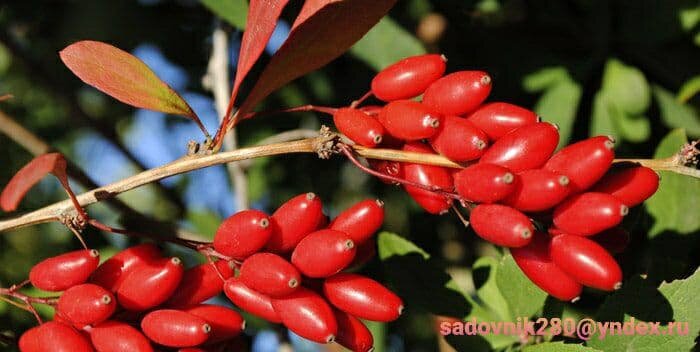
pixel 631 186
pixel 270 274
pixel 586 262
pixel 352 333
pixel 409 120
pixel 308 315
pixel 614 240
pixel 588 213
pixel 497 119
pixel 250 300
pixel 359 126
pixel 243 234
pixel 538 190
pixel 323 253
pixel 200 283
pixel 63 271
pixel 150 285
pixel 459 140
pixel 484 183
pixel 408 77
pixel 584 162
pixel 112 272
pixel 225 323
pixel 458 93
pixel 387 167
pixel 175 328
pixel 362 297
pixel 86 304
pixel 117 336
pixel 361 220
pixel 293 220
pixel 501 225
pixel 53 337
pixel 525 148
pixel 428 175
pixel 536 264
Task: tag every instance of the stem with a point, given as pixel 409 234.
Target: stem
pixel 217 80
pixel 319 145
pixel 357 102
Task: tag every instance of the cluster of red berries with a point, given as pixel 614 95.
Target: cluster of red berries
pixel 512 177
pixel 138 297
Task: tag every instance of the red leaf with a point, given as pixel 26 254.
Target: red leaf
pixel 261 22
pixel 310 7
pixel 29 175
pixel 316 41
pixel 124 77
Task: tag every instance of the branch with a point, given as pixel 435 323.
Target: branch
pixel 217 80
pixel 324 145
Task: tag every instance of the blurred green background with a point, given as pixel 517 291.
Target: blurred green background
pixel 630 69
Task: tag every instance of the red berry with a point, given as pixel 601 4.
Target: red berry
pixel 323 253
pixel 428 175
pixel 459 140
pixel 536 264
pixel 359 126
pixel 200 283
pixel 497 119
pixel 150 285
pixel 53 337
pixel 250 300
pixel 525 148
pixel 538 190
pixel 614 240
pixel 631 186
pixel 86 304
pixel 588 213
pixel 293 220
pixel 408 77
pixel 270 275
pixel 362 297
pixel 387 167
pixel 116 336
pixel 112 272
pixel 243 234
pixel 63 271
pixel 584 162
pixel 308 315
pixel 458 93
pixel 484 183
pixel 501 225
pixel 361 220
pixel 352 333
pixel 586 262
pixel 175 328
pixel 225 323
pixel 409 120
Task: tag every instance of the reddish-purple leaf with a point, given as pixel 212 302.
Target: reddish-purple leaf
pixel 310 7
pixel 319 39
pixel 124 77
pixel 29 175
pixel 261 22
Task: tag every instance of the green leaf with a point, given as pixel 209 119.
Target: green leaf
pixel 485 272
pixel 601 119
pixel 544 78
pixel 418 280
pixel 523 297
pixel 558 347
pixel 635 129
pixel 675 205
pixel 626 87
pixel 638 299
pixel 124 77
pixel 372 49
pixel 232 11
pixel 689 89
pixel 559 104
pixel 675 114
